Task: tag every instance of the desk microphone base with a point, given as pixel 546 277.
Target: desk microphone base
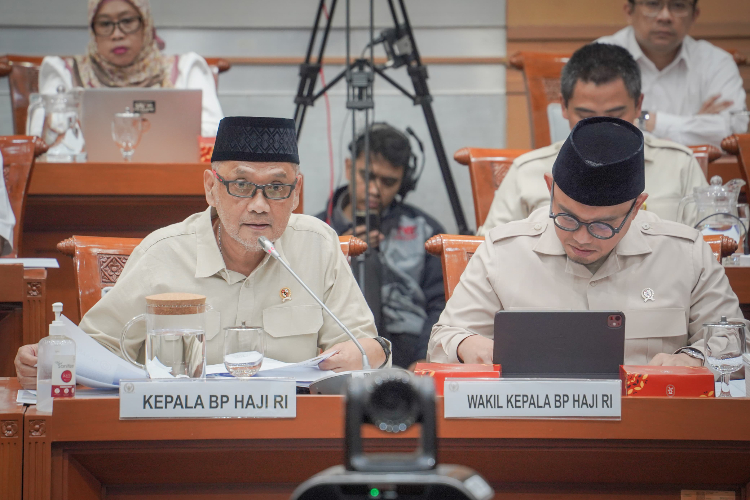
pixel 336 383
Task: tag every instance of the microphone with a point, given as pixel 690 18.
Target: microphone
pixel 266 244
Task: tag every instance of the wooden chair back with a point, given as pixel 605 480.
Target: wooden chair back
pixel 456 250
pixel 487 169
pixel 541 74
pixel 23 74
pixel 98 262
pixel 739 145
pixel 18 159
pixel 704 155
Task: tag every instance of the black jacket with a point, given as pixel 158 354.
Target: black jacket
pixel 412 294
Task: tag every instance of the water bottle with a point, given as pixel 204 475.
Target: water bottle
pixel 56 365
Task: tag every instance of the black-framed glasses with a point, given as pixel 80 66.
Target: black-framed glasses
pixel 127 25
pixel 247 189
pixel 597 229
pixel 678 8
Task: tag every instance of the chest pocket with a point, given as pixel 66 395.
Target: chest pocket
pixel 651 331
pixel 287 321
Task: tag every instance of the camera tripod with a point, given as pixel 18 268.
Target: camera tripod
pixel 401 49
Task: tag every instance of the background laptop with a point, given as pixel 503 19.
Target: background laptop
pixel 174 115
pixel 560 344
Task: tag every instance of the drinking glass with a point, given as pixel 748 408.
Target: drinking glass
pixel 739 121
pixel 127 129
pixel 725 347
pixel 743 212
pixel 244 349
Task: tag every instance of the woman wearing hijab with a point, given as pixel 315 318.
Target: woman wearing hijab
pixel 123 51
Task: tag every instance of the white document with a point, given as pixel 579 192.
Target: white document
pixel 97 366
pixel 304 372
pixel 26 397
pixel 33 262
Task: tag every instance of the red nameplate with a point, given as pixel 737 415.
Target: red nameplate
pixel 440 371
pixel 667 381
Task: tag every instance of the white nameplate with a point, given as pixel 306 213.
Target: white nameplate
pixel 535 398
pixel 261 398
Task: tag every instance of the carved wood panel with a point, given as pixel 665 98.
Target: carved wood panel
pixel 499 171
pixel 9 428
pixel 110 267
pixel 552 89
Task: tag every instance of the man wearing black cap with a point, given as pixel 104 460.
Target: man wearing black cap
pixel 592 249
pixel 252 188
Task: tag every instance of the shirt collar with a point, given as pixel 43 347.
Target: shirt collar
pixel 633 243
pixel 209 260
pixel 549 243
pixel 649 152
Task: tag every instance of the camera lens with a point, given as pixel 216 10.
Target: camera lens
pixel 393 405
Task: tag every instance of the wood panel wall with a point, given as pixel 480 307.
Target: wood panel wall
pixel 565 25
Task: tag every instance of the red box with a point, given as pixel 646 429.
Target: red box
pixel 667 381
pixel 440 371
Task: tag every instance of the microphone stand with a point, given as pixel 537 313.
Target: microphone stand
pixel 266 244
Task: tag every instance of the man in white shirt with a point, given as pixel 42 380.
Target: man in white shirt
pixel 7 220
pixel 598 80
pixel 690 87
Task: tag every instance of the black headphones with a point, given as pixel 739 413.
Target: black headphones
pixel 411 172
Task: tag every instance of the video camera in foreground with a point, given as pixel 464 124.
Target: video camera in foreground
pixel 392 401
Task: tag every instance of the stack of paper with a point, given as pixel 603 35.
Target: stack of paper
pixel 304 372
pixel 97 366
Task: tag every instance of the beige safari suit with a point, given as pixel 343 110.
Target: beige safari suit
pixel 522 265
pixel 185 257
pixel 671 173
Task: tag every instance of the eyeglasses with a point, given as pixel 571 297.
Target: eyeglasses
pixel 597 229
pixel 247 189
pixel 678 8
pixel 127 26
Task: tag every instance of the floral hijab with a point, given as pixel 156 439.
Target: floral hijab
pixel 150 68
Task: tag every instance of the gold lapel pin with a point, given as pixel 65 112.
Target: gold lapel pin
pixel 285 294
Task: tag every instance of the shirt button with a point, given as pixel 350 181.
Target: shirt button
pixel 646 226
pixel 537 226
pixel 593 283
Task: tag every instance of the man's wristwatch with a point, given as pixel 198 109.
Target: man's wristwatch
pixel 645 116
pixel 386 345
pixel 692 352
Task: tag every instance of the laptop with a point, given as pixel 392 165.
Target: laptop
pixel 560 344
pixel 174 116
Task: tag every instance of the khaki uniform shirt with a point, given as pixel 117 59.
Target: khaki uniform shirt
pixel 522 265
pixel 671 173
pixel 185 257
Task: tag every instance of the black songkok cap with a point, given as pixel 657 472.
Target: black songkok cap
pixel 601 162
pixel 248 138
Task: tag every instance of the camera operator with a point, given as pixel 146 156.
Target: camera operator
pixel 409 279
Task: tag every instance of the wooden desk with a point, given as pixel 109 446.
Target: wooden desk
pixel 116 199
pixel 660 446
pixel 23 318
pixel 11 441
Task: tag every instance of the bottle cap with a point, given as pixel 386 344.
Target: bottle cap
pixel 57 308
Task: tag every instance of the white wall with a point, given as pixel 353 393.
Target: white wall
pixel 469 100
